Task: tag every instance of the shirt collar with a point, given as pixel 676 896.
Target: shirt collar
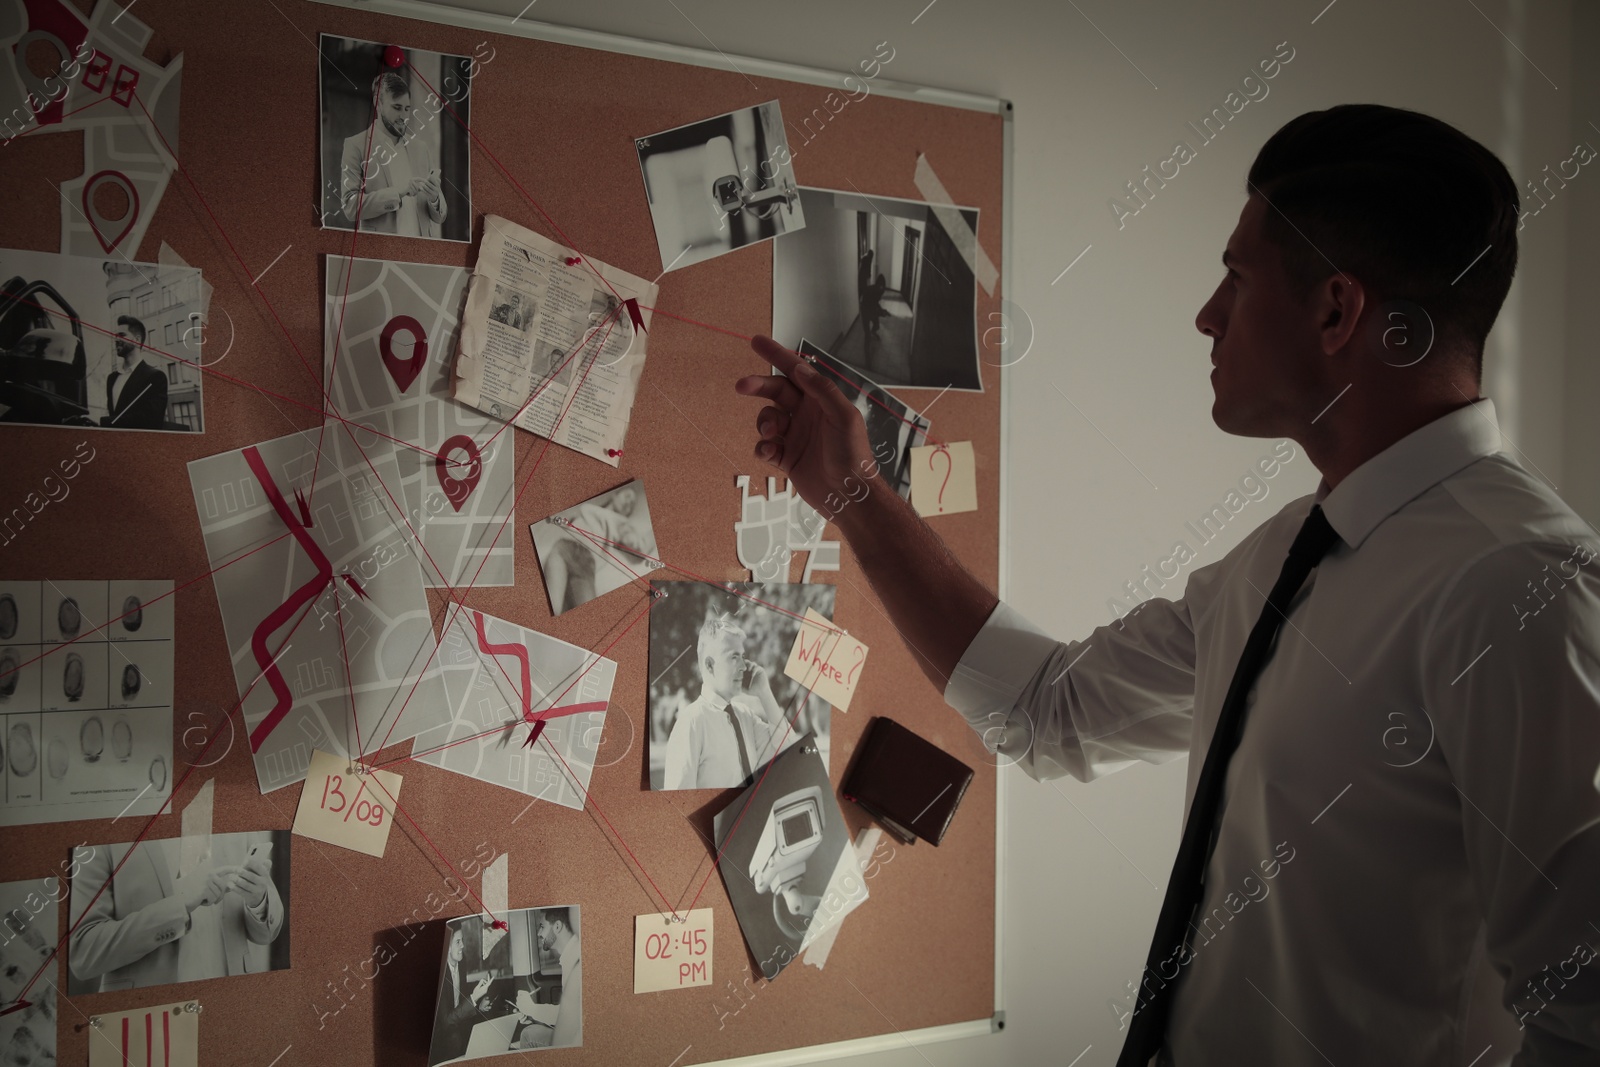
pixel 1408 468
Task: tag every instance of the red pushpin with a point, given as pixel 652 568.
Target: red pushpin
pixel 394 56
pixel 614 452
pixel 573 261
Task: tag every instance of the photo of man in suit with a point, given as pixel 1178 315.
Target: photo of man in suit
pixel 558 932
pixel 403 194
pixel 157 923
pixel 136 392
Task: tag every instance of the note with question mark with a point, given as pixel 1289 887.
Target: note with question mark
pixel 943 479
pixel 826 660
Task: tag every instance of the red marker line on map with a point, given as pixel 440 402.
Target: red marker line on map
pixel 281 614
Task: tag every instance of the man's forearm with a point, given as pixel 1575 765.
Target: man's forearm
pixel 936 603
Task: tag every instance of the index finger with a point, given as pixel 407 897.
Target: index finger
pixel 806 378
pixel 775 354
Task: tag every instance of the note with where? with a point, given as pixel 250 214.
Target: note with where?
pixel 826 660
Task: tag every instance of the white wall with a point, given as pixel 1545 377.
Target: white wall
pixel 826 298
pixel 1092 502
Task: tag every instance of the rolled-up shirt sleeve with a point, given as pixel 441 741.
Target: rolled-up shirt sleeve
pixel 1083 708
pixel 1511 673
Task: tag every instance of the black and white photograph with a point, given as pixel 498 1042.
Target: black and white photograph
pixel 178 911
pixel 879 283
pixel 100 343
pixel 27 940
pixel 893 428
pixel 720 704
pixel 719 184
pixel 511 307
pixel 784 855
pixel 509 990
pixel 591 548
pixel 392 152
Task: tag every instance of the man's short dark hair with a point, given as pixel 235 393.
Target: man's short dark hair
pixel 392 85
pixel 1410 205
pixel 555 915
pixel 133 325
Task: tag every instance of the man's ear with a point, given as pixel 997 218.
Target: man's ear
pixel 1342 298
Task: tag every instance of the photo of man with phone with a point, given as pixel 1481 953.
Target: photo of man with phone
pixel 723 736
pixel 169 917
pixel 393 161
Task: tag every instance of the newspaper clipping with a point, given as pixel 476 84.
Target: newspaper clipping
pixel 548 342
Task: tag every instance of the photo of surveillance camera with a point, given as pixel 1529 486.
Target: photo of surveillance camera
pixel 784 847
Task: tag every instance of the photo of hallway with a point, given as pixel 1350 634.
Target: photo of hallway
pixel 878 283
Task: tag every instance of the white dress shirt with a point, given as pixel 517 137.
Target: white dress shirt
pixel 1415 792
pixel 702 751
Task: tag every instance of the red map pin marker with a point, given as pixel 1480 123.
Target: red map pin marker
pixel 403 371
pixel 394 56
pixel 98 222
pixel 458 477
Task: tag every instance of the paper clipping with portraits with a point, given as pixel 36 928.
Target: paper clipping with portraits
pixel 549 342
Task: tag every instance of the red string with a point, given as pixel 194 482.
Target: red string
pixel 149 823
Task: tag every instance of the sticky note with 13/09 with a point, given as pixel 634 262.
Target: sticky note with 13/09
pixel 826 660
pixel 347 807
pixel 671 955
pixel 943 479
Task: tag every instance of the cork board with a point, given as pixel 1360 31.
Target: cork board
pixel 561 119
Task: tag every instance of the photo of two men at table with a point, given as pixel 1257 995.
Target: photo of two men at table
pixel 507 990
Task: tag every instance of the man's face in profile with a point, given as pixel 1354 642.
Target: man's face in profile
pixel 726 674
pixel 395 111
pixel 1264 340
pixel 126 345
pixel 458 947
pixel 547 935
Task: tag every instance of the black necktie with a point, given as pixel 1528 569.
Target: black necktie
pixel 738 739
pixel 1184 887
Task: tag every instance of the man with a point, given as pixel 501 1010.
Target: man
pixel 726 732
pixel 1408 605
pixel 402 194
pixel 151 928
pixel 558 930
pixel 136 393
pixel 458 1007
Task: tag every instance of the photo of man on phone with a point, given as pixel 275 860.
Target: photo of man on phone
pixel 734 725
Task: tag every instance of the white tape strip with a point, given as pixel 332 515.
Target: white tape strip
pixel 497 887
pixel 817 954
pixel 955 224
pixel 194 850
